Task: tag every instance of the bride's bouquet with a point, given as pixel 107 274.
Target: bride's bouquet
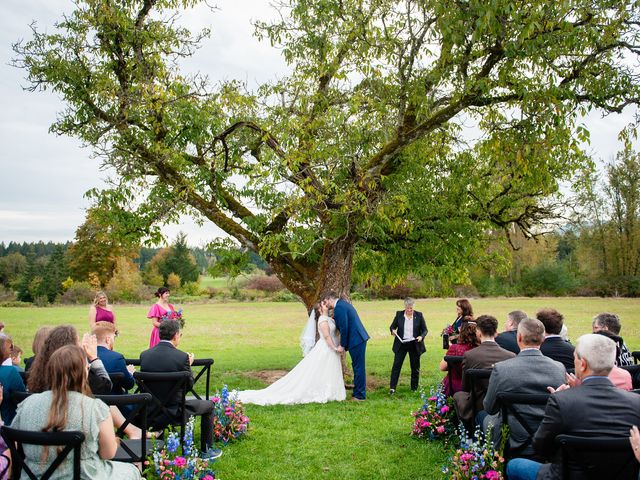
pixel 229 420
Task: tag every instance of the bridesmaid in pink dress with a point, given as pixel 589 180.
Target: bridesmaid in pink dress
pixel 101 311
pixel 160 309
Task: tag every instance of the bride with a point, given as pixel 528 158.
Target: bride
pixel 318 376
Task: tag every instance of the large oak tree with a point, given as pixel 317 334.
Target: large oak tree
pixel 404 131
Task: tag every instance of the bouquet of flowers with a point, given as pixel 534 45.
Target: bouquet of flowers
pixel 229 420
pixel 476 459
pixel 435 419
pixel 178 460
pixel 174 315
pixel 448 331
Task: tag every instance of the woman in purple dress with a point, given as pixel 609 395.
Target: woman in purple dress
pixel 101 311
pixel 161 310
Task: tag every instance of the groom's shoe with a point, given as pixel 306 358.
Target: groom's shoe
pixel 356 399
pixel 392 391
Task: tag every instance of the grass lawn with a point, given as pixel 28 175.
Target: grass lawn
pixel 337 440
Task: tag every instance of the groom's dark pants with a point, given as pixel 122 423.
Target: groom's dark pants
pixel 357 355
pixel 414 360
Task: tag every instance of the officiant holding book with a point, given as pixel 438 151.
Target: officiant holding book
pixel 408 329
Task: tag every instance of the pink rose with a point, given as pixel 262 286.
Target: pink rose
pixel 179 462
pixel 440 429
pixel 492 475
pixel 208 477
pixel 444 409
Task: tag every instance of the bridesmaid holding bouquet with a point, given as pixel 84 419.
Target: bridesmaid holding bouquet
pixel 160 311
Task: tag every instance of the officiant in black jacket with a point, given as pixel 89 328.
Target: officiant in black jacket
pixel 408 329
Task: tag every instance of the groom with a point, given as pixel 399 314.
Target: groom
pixel 353 338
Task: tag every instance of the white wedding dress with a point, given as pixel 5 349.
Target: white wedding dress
pixel 316 379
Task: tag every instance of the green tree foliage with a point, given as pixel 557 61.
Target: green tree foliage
pixel 55 273
pixel 361 155
pixel 11 267
pixel 608 249
pixel 180 261
pixel 96 249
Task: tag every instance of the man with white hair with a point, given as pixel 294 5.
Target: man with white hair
pixel 408 329
pixel 594 409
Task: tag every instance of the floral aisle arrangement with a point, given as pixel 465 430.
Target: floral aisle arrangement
pixel 178 460
pixel 229 420
pixel 476 459
pixel 434 420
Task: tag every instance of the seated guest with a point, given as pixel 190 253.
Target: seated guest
pixel 618 376
pixel 10 380
pixel 67 405
pixel 113 361
pixel 38 342
pixel 16 358
pixel 507 339
pixel 608 324
pixel 485 355
pixel 554 346
pixel 165 357
pixel 99 380
pixel 467 339
pixel 594 409
pixel 528 373
pixel 5 453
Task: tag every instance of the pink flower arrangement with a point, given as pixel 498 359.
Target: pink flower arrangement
pixel 434 419
pixel 229 420
pixel 475 460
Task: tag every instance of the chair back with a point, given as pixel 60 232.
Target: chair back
pixel 528 421
pixel 478 383
pixel 634 371
pixel 453 362
pixel 591 458
pixel 71 441
pixel 205 370
pixel 131 450
pixel 636 357
pixel 117 379
pixel 168 392
pixel 19 396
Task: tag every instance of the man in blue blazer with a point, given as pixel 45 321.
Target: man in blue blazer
pixel 353 338
pixel 113 361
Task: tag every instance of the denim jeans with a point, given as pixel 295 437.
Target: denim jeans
pixel 522 469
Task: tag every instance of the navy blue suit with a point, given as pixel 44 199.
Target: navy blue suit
pixel 353 338
pixel 114 363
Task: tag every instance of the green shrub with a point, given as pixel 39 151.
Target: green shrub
pixel 78 293
pixel 548 279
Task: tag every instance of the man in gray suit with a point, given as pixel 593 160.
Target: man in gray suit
pixel 485 355
pixel 528 373
pixel 594 409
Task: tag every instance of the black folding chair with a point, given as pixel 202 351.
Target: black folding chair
pixel 594 458
pixel 508 405
pixel 19 396
pixel 117 379
pixel 17 438
pixel 636 357
pixel 453 362
pixel 168 392
pixel 205 370
pixel 634 370
pixel 478 383
pixel 132 450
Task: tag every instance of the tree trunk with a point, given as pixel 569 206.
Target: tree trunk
pixel 333 273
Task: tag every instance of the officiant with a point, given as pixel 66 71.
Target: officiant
pixel 408 329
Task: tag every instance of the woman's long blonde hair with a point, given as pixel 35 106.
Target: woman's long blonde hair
pixel 98 295
pixel 67 372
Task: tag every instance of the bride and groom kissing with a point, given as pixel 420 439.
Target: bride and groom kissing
pixel 317 378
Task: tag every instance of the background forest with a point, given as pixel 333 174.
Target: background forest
pixel 594 250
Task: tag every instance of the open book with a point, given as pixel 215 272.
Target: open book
pixel 404 341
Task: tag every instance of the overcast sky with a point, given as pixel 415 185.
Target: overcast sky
pixel 44 177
